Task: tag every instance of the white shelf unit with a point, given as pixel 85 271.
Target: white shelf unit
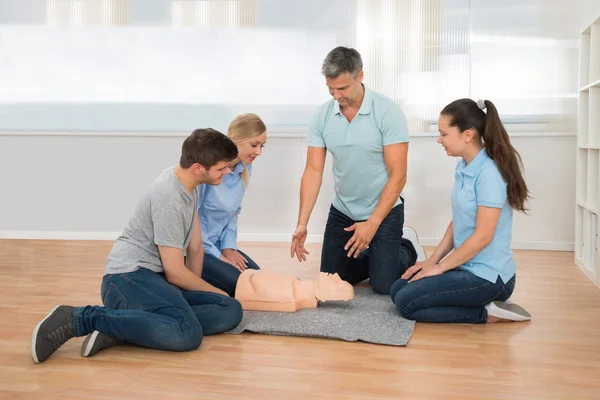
pixel 587 240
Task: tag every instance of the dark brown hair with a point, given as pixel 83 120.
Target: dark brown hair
pixel 207 147
pixel 467 114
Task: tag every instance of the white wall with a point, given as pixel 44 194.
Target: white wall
pixel 73 186
pixel 80 186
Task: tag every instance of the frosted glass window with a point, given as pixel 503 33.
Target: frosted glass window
pixel 86 12
pixel 213 13
pixel 524 59
pixel 174 65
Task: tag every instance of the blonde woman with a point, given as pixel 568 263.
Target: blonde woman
pixel 220 205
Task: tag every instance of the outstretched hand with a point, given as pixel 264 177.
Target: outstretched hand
pixel 298 238
pixel 363 234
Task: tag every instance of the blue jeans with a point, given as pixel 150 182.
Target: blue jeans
pixel 223 275
pixel 386 259
pixel 455 296
pixel 144 309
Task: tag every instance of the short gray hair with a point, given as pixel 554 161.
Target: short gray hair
pixel 341 60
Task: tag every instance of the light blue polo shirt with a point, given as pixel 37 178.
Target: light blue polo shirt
pixel 359 170
pixel 480 184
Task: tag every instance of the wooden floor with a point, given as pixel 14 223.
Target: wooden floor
pixel 554 356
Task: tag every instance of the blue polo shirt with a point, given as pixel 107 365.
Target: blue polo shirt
pixel 480 184
pixel 359 170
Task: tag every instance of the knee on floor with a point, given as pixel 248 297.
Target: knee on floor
pixel 404 313
pixel 403 301
pixel 185 338
pixel 396 287
pixel 232 314
pixel 381 287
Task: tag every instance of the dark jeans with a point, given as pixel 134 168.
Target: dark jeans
pixel 142 308
pixel 386 259
pixel 455 296
pixel 223 275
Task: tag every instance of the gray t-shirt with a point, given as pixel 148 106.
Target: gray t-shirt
pixel 163 217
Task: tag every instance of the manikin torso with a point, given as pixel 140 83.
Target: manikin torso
pixel 265 290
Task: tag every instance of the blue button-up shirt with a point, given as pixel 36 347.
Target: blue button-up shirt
pixel 218 211
pixel 480 184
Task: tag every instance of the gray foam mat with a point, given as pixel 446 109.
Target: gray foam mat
pixel 369 317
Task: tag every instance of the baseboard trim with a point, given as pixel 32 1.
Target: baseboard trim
pixel 430 242
pixel 549 246
pixel 277 237
pixel 257 237
pixel 59 235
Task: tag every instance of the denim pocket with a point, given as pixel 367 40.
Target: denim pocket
pixel 508 289
pixel 113 298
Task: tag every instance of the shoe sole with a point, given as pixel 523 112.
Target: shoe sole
pixel 418 241
pixel 510 311
pixel 35 335
pixel 89 344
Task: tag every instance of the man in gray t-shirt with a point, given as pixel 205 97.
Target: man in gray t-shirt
pixel 151 297
pixel 164 217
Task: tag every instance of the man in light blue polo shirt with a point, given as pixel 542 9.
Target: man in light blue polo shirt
pixel 367 135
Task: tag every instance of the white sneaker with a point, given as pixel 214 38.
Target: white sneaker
pixel 508 311
pixel 410 234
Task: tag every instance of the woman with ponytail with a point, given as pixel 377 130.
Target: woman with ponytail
pixel 220 205
pixel 472 273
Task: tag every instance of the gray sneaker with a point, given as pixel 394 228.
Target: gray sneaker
pixel 507 310
pixel 96 341
pixel 51 333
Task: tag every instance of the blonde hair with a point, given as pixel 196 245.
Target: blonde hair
pixel 245 127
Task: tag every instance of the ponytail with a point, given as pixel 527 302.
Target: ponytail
pixel 468 114
pixel 507 158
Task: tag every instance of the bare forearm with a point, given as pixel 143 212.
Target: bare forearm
pixel 195 260
pixel 309 191
pixel 469 249
pixel 188 280
pixel 195 251
pixel 446 245
pixel 389 196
